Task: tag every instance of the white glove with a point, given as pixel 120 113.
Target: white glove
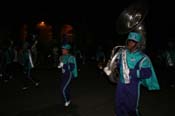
pixel 60 65
pixel 107 71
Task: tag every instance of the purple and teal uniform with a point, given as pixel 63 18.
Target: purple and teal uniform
pixel 135 69
pixel 68 65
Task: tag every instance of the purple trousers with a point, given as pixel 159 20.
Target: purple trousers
pixel 65 86
pixel 127 98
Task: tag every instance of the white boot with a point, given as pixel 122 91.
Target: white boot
pixel 67 104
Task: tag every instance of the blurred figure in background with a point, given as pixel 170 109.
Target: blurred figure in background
pixel 100 59
pixel 7 59
pixel 168 59
pixel 27 64
pixel 79 57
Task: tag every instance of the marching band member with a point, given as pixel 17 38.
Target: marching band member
pixel 135 69
pixel 27 63
pixel 67 64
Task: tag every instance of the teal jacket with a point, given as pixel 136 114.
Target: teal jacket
pixel 138 65
pixel 69 64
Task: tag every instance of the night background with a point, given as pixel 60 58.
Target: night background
pixel 94 25
pixel 98 19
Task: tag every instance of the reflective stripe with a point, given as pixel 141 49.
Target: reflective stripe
pixel 125 68
pixel 138 99
pixel 138 73
pixel 64 94
pixel 141 62
pixel 30 59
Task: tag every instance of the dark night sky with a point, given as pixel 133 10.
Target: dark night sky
pixel 100 17
pixel 97 16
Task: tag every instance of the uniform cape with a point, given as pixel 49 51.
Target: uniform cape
pixel 151 83
pixel 74 71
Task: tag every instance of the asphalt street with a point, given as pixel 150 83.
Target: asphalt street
pixel 92 95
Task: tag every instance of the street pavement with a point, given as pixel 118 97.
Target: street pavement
pixel 92 95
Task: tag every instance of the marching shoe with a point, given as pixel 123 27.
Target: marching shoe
pixel 67 104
